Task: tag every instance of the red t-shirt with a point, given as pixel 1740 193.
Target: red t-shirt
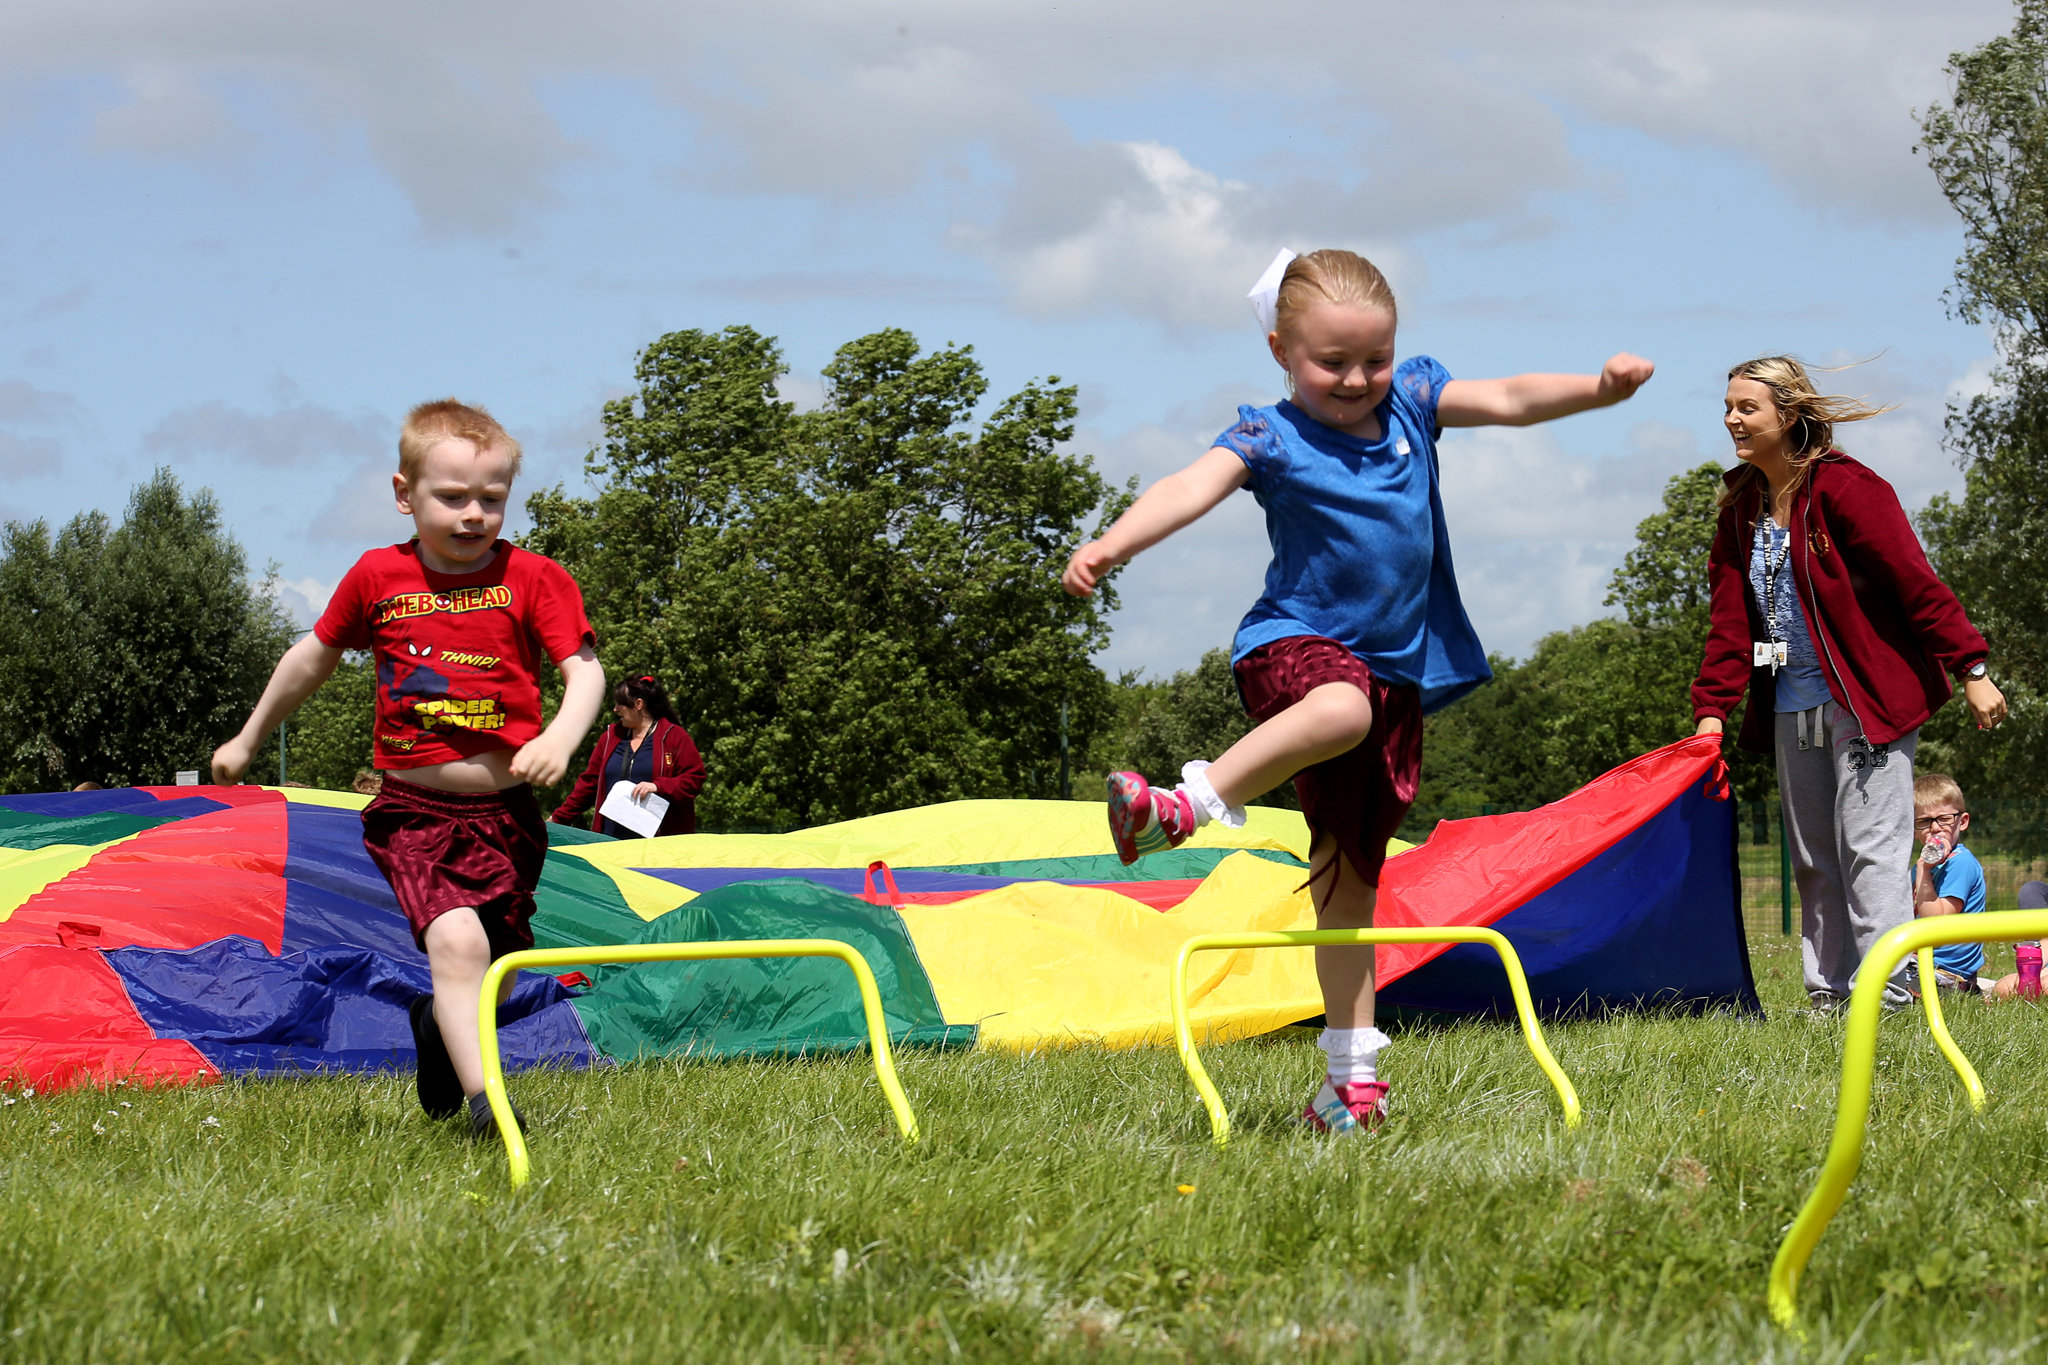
pixel 458 655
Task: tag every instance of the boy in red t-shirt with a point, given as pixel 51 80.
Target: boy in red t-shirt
pixel 460 624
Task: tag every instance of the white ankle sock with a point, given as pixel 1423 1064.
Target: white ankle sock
pixel 1194 780
pixel 1354 1053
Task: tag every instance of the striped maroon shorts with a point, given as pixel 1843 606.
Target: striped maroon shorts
pixel 1358 798
pixel 443 850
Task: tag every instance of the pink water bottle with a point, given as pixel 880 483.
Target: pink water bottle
pixel 2029 955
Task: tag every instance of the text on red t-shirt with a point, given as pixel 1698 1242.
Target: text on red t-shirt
pixel 458 655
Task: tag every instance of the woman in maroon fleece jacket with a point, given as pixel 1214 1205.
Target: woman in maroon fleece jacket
pixel 1825 610
pixel 649 748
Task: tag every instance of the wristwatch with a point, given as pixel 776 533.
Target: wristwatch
pixel 1976 670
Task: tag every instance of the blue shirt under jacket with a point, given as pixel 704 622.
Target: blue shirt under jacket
pixel 1360 551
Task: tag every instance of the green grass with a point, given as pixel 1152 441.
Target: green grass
pixel 766 1211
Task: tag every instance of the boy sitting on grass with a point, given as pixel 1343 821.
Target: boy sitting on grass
pixel 1947 879
pixel 460 623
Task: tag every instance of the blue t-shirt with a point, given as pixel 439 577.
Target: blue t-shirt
pixel 1360 551
pixel 1961 877
pixel 1801 685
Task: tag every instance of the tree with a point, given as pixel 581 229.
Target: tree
pixel 858 608
pixel 1988 149
pixel 329 739
pixel 1194 714
pixel 127 653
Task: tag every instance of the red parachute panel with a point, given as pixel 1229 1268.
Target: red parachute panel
pixel 65 1018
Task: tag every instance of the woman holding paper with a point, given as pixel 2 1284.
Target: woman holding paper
pixel 649 753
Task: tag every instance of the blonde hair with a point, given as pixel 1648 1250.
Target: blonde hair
pixel 1929 788
pixel 1331 275
pixel 1809 415
pixel 431 423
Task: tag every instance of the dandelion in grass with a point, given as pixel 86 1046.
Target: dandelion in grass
pixel 1185 1189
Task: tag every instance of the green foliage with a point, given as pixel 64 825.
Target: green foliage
pixel 1194 714
pixel 677 1213
pixel 329 739
pixel 128 652
pixel 858 608
pixel 1991 546
pixel 1988 148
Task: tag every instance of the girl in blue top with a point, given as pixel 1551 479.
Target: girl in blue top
pixel 1359 630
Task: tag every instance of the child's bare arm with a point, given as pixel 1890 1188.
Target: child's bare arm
pixel 297 676
pixel 1526 399
pixel 542 761
pixel 1164 508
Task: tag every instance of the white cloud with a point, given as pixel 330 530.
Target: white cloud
pixel 296 435
pixel 31 420
pixel 21 401
pixel 1536 532
pixel 1168 244
pixel 1185 595
pixel 361 512
pixel 303 599
pixel 1452 115
pixel 29 456
pixel 1518 483
pixel 1822 96
pixel 170 113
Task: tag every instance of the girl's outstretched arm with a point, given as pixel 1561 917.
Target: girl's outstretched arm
pixel 1162 509
pixel 1525 399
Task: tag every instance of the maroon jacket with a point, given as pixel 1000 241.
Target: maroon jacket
pixel 678 777
pixel 1886 630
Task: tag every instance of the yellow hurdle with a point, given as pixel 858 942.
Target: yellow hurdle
pixel 1518 984
pixel 543 958
pixel 1859 1055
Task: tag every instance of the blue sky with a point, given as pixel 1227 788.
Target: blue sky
pixel 241 239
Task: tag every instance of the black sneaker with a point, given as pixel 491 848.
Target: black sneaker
pixel 483 1124
pixel 440 1092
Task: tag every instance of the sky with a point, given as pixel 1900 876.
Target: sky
pixel 241 238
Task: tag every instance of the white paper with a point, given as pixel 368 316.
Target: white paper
pixel 642 817
pixel 1265 295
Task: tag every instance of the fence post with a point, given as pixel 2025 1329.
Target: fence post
pixel 1784 873
pixel 1066 773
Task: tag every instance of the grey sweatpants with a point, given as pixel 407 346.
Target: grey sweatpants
pixel 1849 815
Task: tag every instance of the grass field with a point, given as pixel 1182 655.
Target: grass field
pixel 766 1210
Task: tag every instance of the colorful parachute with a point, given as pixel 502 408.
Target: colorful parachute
pixel 182 933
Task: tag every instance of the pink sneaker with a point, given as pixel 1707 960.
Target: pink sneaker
pixel 1340 1109
pixel 1143 819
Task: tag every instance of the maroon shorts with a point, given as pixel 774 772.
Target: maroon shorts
pixel 443 850
pixel 1358 798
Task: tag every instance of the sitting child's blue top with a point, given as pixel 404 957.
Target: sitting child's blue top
pixel 1962 877
pixel 1360 551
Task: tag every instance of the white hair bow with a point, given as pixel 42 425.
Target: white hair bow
pixel 1265 295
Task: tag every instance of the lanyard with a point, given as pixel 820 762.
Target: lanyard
pixel 1771 569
